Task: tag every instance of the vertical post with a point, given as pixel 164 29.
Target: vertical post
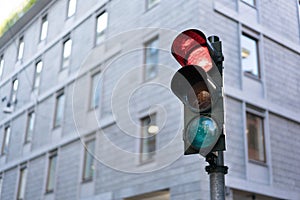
pixel 216 171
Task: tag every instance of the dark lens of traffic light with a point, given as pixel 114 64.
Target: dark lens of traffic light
pixel 199 98
pixel 202 132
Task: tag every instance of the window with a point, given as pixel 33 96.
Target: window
pixel 148 138
pixel 5 141
pixel 250 2
pixel 37 75
pixel 249 55
pixel 151 3
pixel 22 183
pixel 21 48
pixel 158 195
pixel 101 27
pixel 1 65
pixel 88 167
pixel 14 91
pixel 59 109
pixel 96 90
pixel 30 126
pixel 255 136
pixel 51 172
pixel 1 183
pixel 151 59
pixel 71 7
pixel 44 28
pixel 67 48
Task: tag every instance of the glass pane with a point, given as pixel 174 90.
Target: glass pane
pixel 6 138
pixel 51 173
pixel 22 183
pixel 151 60
pixel 1 65
pixel 71 7
pixel 67 52
pixel 38 70
pixel 89 160
pixel 148 143
pixel 255 134
pixel 30 126
pixel 101 27
pixel 96 90
pixel 151 3
pixel 21 49
pixel 44 30
pixel 59 110
pixel 249 55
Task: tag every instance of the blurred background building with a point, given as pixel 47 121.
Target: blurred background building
pixel 87 113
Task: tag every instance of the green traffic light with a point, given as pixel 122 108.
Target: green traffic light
pixel 202 132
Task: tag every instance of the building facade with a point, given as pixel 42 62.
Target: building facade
pixel 87 112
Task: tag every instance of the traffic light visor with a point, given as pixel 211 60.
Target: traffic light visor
pixel 190 48
pixel 189 85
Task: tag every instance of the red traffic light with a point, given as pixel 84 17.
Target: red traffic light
pixel 190 48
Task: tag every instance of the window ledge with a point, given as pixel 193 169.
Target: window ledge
pixel 256 162
pixel 252 76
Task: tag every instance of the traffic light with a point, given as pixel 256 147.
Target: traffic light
pixel 199 84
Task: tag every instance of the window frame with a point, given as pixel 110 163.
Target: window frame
pixel 37 75
pixel 5 140
pixel 146 64
pixel 21 45
pixel 2 62
pixel 14 92
pixel 51 175
pixel 60 94
pixel 29 133
pixel 255 37
pixel 66 60
pixel 44 20
pixel 150 5
pixel 146 157
pixel 22 182
pixel 254 5
pixel 92 104
pixel 255 112
pixel 69 14
pixel 88 176
pixel 100 36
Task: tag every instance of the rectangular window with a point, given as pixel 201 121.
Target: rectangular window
pixel 151 59
pixel 59 109
pixel 44 28
pixel 95 91
pixel 30 126
pixel 5 142
pixel 21 48
pixel 37 75
pixel 71 7
pixel 102 20
pixel 14 91
pixel 151 3
pixel 22 183
pixel 88 167
pixel 249 48
pixel 250 2
pixel 158 195
pixel 255 136
pixel 148 138
pixel 1 184
pixel 51 172
pixel 67 50
pixel 1 65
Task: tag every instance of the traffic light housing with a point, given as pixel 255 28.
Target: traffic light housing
pixel 199 85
